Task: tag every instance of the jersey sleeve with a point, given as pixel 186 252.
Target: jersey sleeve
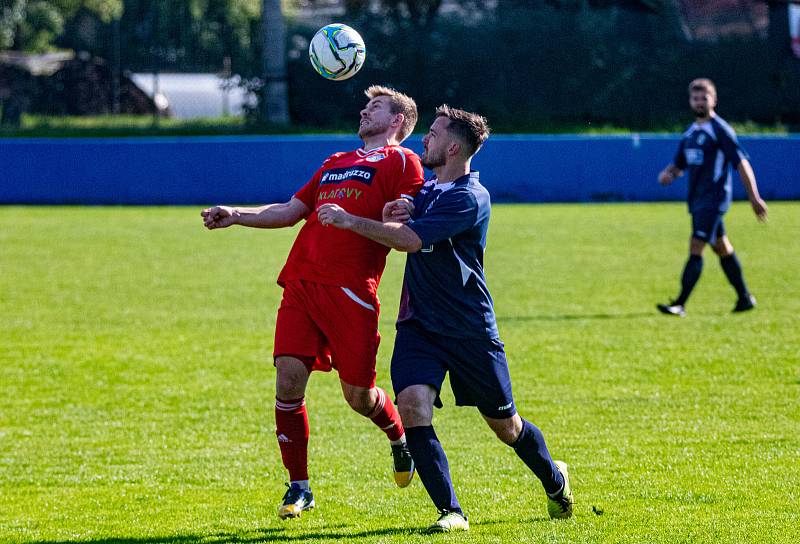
pixel 449 216
pixel 680 157
pixel 729 144
pixel 307 194
pixel 410 175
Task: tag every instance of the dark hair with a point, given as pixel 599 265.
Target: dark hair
pixel 471 128
pixel 703 85
pixel 398 103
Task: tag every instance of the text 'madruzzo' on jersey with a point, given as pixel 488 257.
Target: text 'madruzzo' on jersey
pixel 362 174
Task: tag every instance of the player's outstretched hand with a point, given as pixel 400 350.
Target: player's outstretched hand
pixel 665 177
pixel 333 214
pixel 398 211
pixel 760 209
pixel 219 217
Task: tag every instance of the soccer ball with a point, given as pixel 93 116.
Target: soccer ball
pixel 337 52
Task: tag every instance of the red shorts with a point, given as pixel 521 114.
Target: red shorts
pixel 329 327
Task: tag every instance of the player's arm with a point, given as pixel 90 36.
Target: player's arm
pixel 398 211
pixel 749 181
pixel 734 152
pixel 675 169
pixel 669 174
pixel 394 235
pixel 270 216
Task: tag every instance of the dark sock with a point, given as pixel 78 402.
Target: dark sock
pixel 432 467
pixel 733 270
pixel 691 273
pixel 530 447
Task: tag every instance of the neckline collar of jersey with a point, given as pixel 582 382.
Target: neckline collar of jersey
pixel 473 174
pixel 704 124
pixel 706 128
pixel 365 152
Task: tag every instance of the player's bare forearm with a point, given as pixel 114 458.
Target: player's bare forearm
pixel 749 181
pixel 390 234
pixel 394 235
pixel 269 216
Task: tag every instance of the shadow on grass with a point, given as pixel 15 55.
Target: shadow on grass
pixel 259 535
pixel 509 522
pixel 279 534
pixel 574 317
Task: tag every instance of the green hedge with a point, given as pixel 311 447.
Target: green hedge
pixel 531 69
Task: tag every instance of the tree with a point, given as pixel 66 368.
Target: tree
pixel 34 25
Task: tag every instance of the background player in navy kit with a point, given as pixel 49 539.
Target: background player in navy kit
pixel 707 151
pixel 447 321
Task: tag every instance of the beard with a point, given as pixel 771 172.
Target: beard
pixel 431 160
pixel 701 111
pixel 372 129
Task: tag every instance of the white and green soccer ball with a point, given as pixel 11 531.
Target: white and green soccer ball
pixel 337 52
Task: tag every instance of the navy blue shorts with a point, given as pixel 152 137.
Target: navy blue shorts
pixel 707 225
pixel 478 369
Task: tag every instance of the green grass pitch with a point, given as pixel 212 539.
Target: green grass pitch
pixel 136 385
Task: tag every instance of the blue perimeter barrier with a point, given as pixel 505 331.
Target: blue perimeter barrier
pixel 261 169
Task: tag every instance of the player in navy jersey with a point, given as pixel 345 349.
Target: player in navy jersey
pixel 447 321
pixel 706 152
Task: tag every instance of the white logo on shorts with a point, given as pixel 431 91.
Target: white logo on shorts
pixel 506 407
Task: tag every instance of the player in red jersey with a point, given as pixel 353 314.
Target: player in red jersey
pixel 328 317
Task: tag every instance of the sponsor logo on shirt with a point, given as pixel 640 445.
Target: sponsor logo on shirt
pixel 376 157
pixel 342 193
pixel 694 156
pixel 335 176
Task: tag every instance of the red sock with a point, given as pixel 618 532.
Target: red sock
pixel 291 420
pixel 386 417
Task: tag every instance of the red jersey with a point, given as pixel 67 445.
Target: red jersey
pixel 361 182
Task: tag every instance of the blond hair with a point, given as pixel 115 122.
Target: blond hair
pixel 398 103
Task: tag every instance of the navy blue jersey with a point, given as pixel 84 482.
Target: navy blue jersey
pixel 707 151
pixel 444 288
